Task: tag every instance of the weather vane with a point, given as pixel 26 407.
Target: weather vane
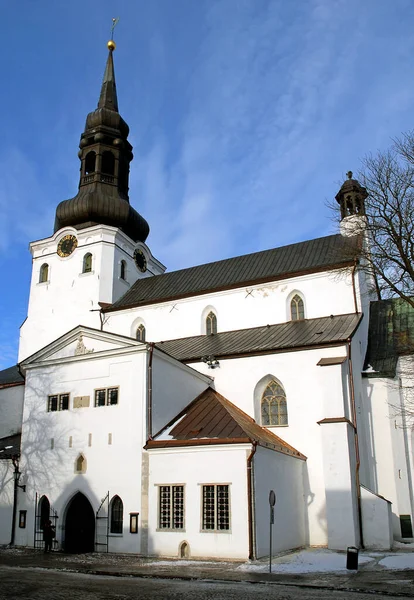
pixel 111 44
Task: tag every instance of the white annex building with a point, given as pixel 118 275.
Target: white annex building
pixel 152 412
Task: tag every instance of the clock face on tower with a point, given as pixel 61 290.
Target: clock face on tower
pixel 140 260
pixel 67 245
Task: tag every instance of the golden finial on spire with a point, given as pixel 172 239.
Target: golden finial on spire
pixel 111 44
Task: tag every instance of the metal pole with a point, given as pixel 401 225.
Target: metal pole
pixel 270 541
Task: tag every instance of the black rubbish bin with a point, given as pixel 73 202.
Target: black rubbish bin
pixel 352 558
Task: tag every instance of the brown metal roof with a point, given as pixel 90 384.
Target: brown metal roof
pixel 320 254
pixel 324 331
pixel 212 419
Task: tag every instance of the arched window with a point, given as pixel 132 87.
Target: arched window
pixel 297 308
pixel 108 163
pixel 90 160
pixel 80 464
pixel 87 263
pixel 44 511
pixel 273 405
pixel 141 333
pixel 123 270
pixel 44 273
pixel 211 323
pixel 117 514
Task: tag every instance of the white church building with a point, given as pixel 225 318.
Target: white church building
pixel 152 412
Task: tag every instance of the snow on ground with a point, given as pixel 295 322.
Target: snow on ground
pixel 306 561
pixel 398 561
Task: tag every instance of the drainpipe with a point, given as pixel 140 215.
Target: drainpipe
pixel 149 392
pixel 358 460
pixel 15 462
pixel 251 503
pixel 354 268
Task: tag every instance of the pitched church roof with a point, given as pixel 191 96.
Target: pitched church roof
pixel 11 377
pixel 312 256
pixel 307 333
pixel 211 419
pixel 390 335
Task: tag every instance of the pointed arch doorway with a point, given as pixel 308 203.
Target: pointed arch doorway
pixel 79 525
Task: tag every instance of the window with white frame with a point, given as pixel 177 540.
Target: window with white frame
pixel 106 396
pixel 211 323
pixel 140 333
pixel 171 507
pixel 57 402
pixel 44 273
pixel 216 507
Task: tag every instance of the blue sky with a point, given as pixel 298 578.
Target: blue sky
pixel 245 116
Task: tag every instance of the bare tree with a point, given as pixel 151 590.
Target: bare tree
pixel 387 201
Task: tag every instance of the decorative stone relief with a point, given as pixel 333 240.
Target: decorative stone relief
pixel 81 348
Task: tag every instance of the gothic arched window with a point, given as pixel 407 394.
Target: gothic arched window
pixel 44 273
pixel 297 308
pixel 123 270
pixel 90 160
pixel 211 323
pixel 117 514
pixel 44 511
pixel 87 263
pixel 273 405
pixel 80 464
pixel 108 163
pixel 140 334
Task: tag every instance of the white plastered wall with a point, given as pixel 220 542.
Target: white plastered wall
pixel 194 467
pixel 285 476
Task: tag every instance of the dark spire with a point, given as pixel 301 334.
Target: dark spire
pixel 105 155
pixel 108 97
pixel 351 197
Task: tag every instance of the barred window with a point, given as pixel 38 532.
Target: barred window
pixel 297 308
pixel 171 507
pixel 106 397
pixel 117 515
pixel 211 323
pixel 57 402
pixel 274 405
pixel 216 508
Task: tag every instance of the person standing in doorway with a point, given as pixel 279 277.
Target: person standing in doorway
pixel 48 535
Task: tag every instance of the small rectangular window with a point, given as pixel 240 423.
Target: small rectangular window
pixel 133 522
pixel 216 508
pixel 171 507
pixel 22 519
pixel 57 402
pixel 106 397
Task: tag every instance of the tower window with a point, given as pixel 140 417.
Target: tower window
pixel 108 163
pixel 87 263
pixel 123 271
pixel 297 308
pixel 80 464
pixel 44 273
pixel 90 161
pixel 141 333
pixel 274 405
pixel 211 323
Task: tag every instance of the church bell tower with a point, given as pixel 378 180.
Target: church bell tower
pixel 98 247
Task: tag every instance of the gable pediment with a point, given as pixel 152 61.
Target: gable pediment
pixel 81 342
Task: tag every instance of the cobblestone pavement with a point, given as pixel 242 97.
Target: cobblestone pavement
pixel 373 580
pixel 35 584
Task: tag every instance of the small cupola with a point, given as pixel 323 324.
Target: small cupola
pixel 351 198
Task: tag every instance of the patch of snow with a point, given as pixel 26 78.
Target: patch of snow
pixel 307 561
pixel 399 561
pixel 402 545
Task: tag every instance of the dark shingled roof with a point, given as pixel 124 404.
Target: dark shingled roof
pixel 10 377
pixel 262 340
pixel 305 257
pixel 10 446
pixel 212 419
pixel 391 334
